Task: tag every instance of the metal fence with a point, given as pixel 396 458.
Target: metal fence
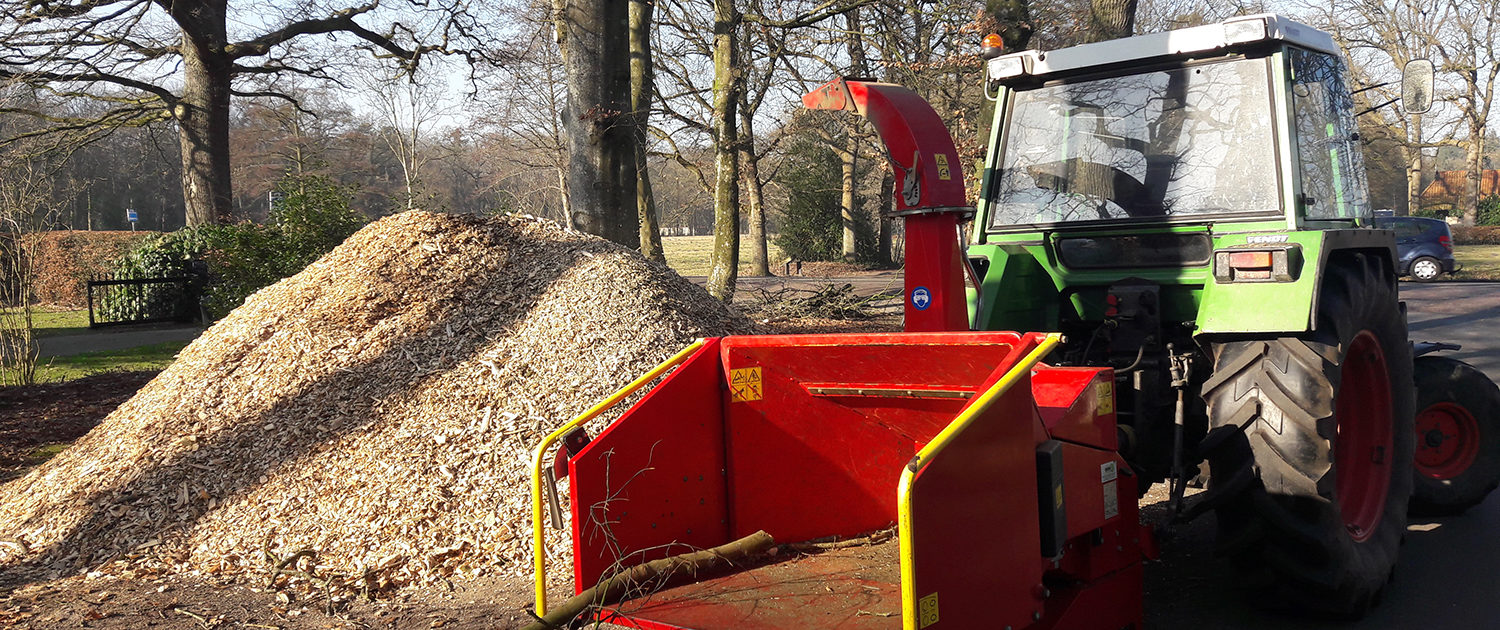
pixel 116 301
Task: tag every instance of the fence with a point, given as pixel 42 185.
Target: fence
pixel 142 300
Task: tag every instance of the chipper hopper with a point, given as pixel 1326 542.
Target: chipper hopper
pixel 999 473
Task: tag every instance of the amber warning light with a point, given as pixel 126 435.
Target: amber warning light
pixel 991 46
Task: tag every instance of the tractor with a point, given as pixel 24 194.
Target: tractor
pixel 1181 219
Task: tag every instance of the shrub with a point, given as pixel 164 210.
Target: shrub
pixel 312 218
pixel 1487 211
pixel 1476 235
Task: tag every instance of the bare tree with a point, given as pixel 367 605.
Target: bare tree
pixel 1469 52
pixel 155 60
pixel 1379 38
pixel 28 198
pixel 642 85
pixel 409 106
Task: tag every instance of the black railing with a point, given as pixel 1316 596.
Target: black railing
pixel 115 302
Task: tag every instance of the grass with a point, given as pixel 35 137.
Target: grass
pixel 689 255
pixel 152 357
pixel 1480 262
pixel 52 323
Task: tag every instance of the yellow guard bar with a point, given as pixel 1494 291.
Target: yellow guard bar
pixel 943 439
pixel 537 542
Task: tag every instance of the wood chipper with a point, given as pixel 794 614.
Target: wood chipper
pixel 1184 217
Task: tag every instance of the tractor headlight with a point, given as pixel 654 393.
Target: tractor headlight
pixel 1007 67
pixel 1245 31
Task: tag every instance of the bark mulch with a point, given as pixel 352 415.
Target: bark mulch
pixel 366 424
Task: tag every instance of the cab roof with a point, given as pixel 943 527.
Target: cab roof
pixel 1239 33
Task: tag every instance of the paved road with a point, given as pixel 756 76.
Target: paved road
pixel 117 339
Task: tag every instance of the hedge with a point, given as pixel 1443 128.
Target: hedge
pixel 66 259
pixel 1476 235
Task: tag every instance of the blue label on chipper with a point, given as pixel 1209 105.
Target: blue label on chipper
pixel 921 298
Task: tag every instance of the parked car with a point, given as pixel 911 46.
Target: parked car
pixel 1424 247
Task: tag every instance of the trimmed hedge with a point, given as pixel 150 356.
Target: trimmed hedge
pixel 1476 235
pixel 66 259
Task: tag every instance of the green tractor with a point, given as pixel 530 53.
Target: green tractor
pixel 1191 209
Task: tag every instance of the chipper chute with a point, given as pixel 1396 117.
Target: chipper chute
pixel 999 473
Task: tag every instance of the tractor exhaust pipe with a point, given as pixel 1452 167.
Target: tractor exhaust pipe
pixel 930 194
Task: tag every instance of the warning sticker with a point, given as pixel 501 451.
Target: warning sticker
pixel 942 164
pixel 744 384
pixel 927 611
pixel 1105 392
pixel 1111 500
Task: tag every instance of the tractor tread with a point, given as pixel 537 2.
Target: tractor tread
pixel 1271 405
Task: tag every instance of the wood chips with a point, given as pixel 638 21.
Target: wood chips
pixel 377 409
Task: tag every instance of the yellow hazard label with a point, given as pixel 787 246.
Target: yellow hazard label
pixel 942 164
pixel 744 384
pixel 927 611
pixel 1105 391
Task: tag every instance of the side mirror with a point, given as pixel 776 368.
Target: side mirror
pixel 1416 86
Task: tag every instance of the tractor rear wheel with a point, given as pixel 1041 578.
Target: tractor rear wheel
pixel 1311 448
pixel 1457 434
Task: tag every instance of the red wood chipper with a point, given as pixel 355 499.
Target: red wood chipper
pixel 1011 506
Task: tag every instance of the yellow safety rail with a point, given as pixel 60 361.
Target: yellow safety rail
pixel 537 542
pixel 938 443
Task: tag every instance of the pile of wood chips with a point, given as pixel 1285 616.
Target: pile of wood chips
pixel 372 416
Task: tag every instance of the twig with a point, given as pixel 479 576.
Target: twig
pixel 609 590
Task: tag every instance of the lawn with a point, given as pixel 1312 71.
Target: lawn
pixel 1480 262
pixel 53 322
pixel 152 357
pixel 689 255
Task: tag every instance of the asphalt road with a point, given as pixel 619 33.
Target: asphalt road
pixel 1449 573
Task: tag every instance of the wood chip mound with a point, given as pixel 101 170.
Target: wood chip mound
pixel 373 415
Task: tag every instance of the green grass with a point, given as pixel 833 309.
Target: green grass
pixel 152 357
pixel 1480 262
pixel 51 323
pixel 689 255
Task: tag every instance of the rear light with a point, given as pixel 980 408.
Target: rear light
pixel 1279 264
pixel 1446 241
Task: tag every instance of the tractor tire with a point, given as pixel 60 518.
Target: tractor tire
pixel 1426 269
pixel 1458 437
pixel 1311 447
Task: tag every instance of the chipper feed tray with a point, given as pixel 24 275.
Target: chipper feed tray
pixel 1010 504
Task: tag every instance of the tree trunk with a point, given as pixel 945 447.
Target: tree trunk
pixel 1471 182
pixel 595 41
pixel 641 80
pixel 1110 19
pixel 202 112
pixel 887 204
pixel 1013 21
pixel 750 163
pixel 1414 166
pixel 847 162
pixel 726 256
